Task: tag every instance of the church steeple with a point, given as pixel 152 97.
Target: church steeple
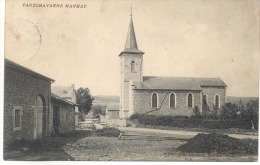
pixel 131 44
pixel 130 39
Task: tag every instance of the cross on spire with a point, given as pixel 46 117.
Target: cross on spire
pixel 131 10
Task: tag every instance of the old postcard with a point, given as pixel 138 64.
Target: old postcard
pixel 108 80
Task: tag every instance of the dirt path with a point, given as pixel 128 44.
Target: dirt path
pixel 177 133
pixel 99 148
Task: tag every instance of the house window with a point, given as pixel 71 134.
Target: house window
pixel 117 113
pixel 190 101
pixel 154 100
pixel 17 118
pixel 172 101
pixel 133 66
pixel 217 101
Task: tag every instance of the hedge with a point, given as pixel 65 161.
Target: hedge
pixel 190 122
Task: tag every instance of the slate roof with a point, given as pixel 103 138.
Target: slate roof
pixel 55 97
pixel 62 91
pixel 131 44
pixel 178 83
pixel 14 65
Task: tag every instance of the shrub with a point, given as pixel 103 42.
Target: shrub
pixel 251 113
pixel 190 122
pixel 229 110
pixel 108 132
pixel 196 111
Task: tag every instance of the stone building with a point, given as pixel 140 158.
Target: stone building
pixel 63 114
pixel 67 93
pixel 27 101
pixel 162 95
pixel 112 110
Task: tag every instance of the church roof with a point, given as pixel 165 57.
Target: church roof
pixel 131 44
pixel 178 83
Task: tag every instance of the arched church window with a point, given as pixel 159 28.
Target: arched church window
pixel 154 100
pixel 133 66
pixel 205 100
pixel 172 101
pixel 217 101
pixel 190 100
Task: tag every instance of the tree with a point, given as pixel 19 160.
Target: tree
pixel 251 113
pixel 84 100
pixel 229 111
pixel 97 111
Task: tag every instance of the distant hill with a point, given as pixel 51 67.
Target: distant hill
pixel 245 100
pixel 106 98
pixel 114 98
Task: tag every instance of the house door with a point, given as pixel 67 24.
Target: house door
pixel 38 117
pixel 56 119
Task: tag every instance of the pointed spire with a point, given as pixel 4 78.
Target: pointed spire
pixel 130 39
pixel 131 44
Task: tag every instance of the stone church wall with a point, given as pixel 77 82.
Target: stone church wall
pixel 211 92
pixel 142 102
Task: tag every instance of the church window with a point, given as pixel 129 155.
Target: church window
pixel 172 101
pixel 133 66
pixel 205 100
pixel 154 100
pixel 190 101
pixel 217 105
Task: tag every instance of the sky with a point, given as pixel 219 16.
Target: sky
pixel 202 38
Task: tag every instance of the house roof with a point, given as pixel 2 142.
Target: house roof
pixel 55 97
pixel 113 106
pixel 62 91
pixel 178 83
pixel 14 65
pixel 131 44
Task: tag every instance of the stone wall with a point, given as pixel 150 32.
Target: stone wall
pixel 127 76
pixel 142 102
pixel 66 116
pixel 211 93
pixel 20 89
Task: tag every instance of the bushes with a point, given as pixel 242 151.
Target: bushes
pixel 230 116
pixel 108 132
pixel 196 111
pixel 189 122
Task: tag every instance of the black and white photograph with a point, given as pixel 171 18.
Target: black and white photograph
pixel 132 80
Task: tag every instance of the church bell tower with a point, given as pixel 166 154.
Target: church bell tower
pixel 131 71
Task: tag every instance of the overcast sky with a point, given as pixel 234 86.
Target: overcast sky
pixel 192 38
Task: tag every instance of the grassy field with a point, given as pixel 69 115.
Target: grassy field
pixel 86 145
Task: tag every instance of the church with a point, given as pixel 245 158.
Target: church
pixel 177 96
